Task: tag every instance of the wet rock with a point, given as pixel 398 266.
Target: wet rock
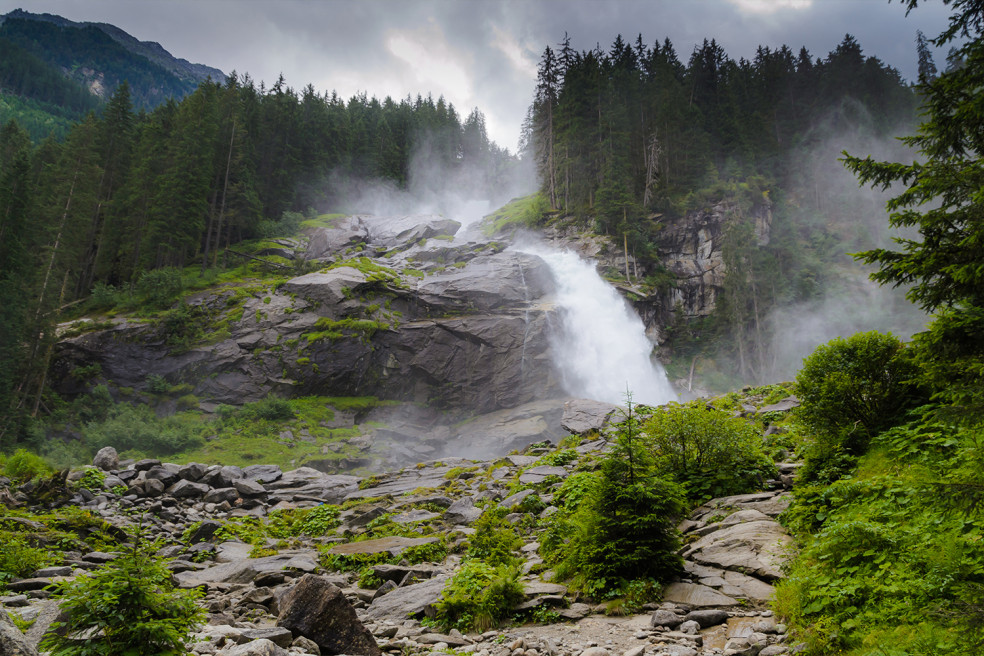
pixel 319 611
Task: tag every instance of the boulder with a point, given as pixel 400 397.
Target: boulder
pixel 185 489
pixel 694 594
pixel 757 548
pixel 409 601
pixel 317 610
pixel 12 641
pixel 707 618
pixel 462 511
pixel 585 415
pixel 106 459
pixel 665 618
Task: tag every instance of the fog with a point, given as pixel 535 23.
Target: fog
pixel 857 218
pixel 464 190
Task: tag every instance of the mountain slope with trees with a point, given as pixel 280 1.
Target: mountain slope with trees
pixel 635 141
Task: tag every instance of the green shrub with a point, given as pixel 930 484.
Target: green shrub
pixel 479 597
pixel 851 390
pixel 104 296
pixel 127 606
pixel 18 559
pixel 269 408
pixel 136 427
pixel 495 540
pixel 159 287
pixel 23 466
pixel 92 479
pixel 708 451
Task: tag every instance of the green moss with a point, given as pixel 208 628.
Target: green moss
pixel 528 211
pixel 322 221
pixel 331 329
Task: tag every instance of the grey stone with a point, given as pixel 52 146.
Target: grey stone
pixel 262 647
pixel 319 611
pixel 535 475
pixel 278 635
pixel 221 494
pixel 584 415
pixel 393 544
pixel 462 511
pixel 595 651
pixel 12 641
pixel 758 548
pixel 193 471
pixel 678 650
pixel 106 459
pixel 248 488
pixel 690 627
pixel 665 618
pixel 408 601
pixel 185 489
pixel 693 594
pixel 707 618
pixel 515 499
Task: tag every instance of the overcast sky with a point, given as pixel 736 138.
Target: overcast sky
pixel 482 53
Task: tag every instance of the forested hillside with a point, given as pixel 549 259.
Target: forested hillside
pixel 127 194
pixel 635 140
pixel 53 71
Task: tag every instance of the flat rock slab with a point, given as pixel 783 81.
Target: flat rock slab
pixel 245 571
pixel 393 544
pixel 408 481
pixel 694 594
pixel 408 601
pixel 757 548
pixel 787 403
pixel 585 415
pixel 535 475
pixel 536 588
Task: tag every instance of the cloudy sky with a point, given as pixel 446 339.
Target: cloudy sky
pixel 481 53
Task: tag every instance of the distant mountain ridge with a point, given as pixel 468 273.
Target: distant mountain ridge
pixel 54 70
pixel 151 50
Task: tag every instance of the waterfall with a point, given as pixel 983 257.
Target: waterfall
pixel 602 348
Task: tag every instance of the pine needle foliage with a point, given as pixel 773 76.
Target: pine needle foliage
pixel 129 607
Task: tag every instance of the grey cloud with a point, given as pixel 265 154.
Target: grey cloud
pixel 340 44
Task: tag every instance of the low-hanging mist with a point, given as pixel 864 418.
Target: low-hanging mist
pixel 601 348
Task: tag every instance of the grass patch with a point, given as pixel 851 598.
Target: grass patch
pixel 526 212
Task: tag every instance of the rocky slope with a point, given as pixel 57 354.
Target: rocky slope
pixel 277 597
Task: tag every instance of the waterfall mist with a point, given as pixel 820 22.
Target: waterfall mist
pixel 601 349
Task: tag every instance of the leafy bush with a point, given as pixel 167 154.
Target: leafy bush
pixel 270 408
pixel 495 540
pixel 708 451
pixel 23 466
pixel 136 427
pixel 92 480
pixel 852 389
pixel 159 287
pixel 104 296
pixel 19 559
pixel 479 596
pixel 128 606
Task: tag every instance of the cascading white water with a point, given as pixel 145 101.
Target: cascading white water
pixel 602 349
